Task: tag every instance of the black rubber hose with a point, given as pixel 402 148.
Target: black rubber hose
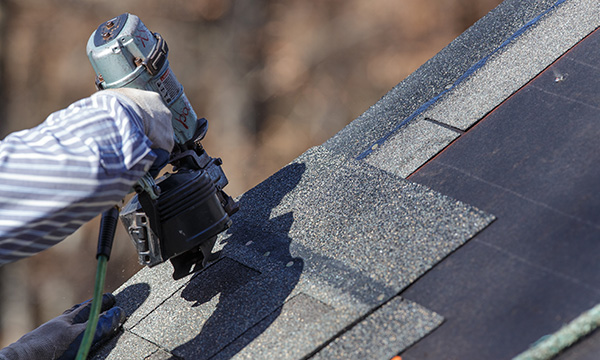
pixel 108 227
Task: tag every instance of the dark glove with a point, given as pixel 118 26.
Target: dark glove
pixel 60 337
pixel 162 159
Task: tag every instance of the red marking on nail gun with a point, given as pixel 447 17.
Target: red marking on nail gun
pixel 182 118
pixel 164 76
pixel 143 38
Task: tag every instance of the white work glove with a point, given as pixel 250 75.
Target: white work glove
pixel 60 337
pixel 155 115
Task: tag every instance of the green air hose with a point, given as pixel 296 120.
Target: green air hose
pixel 90 329
pixel 550 346
pixel 108 226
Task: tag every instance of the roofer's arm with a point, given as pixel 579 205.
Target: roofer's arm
pixel 57 176
pixel 79 162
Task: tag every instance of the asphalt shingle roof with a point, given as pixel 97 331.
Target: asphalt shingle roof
pixel 318 247
pixel 337 255
pixel 533 163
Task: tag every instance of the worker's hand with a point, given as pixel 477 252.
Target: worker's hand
pixel 60 337
pixel 155 115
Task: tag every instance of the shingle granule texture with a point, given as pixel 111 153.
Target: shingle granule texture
pixel 317 248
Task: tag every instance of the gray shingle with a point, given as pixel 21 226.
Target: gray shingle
pixel 409 148
pixel 435 76
pixel 513 65
pixel 324 239
pixel 124 345
pixel 384 333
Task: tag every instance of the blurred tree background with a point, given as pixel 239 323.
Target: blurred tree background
pixel 274 77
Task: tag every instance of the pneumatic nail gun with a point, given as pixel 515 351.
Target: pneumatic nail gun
pixel 178 216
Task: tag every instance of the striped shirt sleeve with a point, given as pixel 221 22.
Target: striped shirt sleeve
pixel 57 176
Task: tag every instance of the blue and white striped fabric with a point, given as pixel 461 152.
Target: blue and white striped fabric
pixel 57 176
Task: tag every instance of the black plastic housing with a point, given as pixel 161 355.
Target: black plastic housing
pixel 186 214
pixel 189 212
